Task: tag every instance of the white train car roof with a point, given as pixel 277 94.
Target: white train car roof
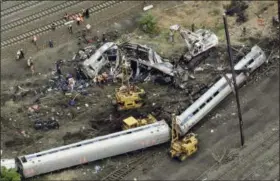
pixel 98 139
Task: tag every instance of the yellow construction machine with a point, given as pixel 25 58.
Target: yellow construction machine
pixel 131 122
pixel 184 147
pixel 128 96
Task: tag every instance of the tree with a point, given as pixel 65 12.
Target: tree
pixel 148 23
pixel 9 175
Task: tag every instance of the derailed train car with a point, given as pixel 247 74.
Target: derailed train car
pixel 218 91
pixel 93 149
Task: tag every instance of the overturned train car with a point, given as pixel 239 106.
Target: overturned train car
pixel 218 91
pixel 93 149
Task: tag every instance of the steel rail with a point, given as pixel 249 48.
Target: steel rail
pixel 120 173
pixel 19 7
pixel 46 28
pixel 38 15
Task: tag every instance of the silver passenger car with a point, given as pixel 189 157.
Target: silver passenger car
pixel 218 91
pixel 93 149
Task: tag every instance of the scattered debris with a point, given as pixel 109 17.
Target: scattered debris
pixel 97 169
pixel 46 125
pixel 95 63
pixel 220 158
pixel 146 8
pixel 199 44
pixel 8 163
pixel 174 27
pixel 144 55
pixel 216 116
pixel 275 21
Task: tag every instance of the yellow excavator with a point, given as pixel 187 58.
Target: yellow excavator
pixel 182 148
pixel 131 122
pixel 128 96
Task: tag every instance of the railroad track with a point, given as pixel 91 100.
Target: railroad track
pixel 38 15
pixel 19 7
pixel 267 141
pixel 38 31
pixel 266 144
pixel 262 167
pixel 4 1
pixel 121 172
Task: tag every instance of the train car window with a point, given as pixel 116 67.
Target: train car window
pixel 202 106
pixel 216 93
pixel 251 61
pixel 99 58
pixel 195 112
pixel 23 159
pixel 208 100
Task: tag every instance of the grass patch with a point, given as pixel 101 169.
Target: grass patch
pixel 190 11
pixel 215 12
pixel 148 24
pixel 221 34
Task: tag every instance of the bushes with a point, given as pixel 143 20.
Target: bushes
pixel 9 175
pixel 238 8
pixel 235 7
pixel 148 24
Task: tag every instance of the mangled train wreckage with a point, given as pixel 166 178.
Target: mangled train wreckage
pixel 143 58
pixel 138 55
pixel 101 57
pixel 199 42
pixel 135 138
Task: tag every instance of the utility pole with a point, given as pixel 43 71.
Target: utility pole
pixel 278 16
pixel 234 80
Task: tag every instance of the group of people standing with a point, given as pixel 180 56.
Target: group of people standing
pixel 30 63
pixel 77 17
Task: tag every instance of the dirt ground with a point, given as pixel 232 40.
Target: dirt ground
pixel 257 160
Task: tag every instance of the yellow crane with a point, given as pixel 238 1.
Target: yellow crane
pixel 184 147
pixel 128 96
